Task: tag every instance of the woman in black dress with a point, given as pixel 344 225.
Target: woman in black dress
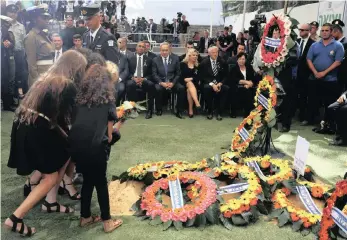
pixel 90 143
pixel 242 76
pixel 189 73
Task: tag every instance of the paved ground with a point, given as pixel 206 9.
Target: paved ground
pixel 163 138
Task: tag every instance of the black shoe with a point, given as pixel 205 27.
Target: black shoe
pixel 179 115
pixel 149 115
pixel 219 117
pixel 232 115
pixel 190 115
pixel 284 129
pixel 338 143
pixel 159 112
pixel 10 108
pixel 198 110
pixel 210 116
pixel 324 131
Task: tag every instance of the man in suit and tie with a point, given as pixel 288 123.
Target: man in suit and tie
pixel 303 71
pixel 58 45
pixel 213 76
pixel 122 46
pixel 205 42
pixel 148 52
pixel 140 67
pixel 166 73
pixel 97 38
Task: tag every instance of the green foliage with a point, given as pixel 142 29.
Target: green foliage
pixel 297 225
pixel 178 225
pixel 225 222
pixel 156 221
pixel 167 225
pixel 212 213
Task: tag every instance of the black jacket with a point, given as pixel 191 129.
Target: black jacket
pixel 202 44
pixel 206 73
pixel 236 75
pixel 147 67
pixel 303 69
pixel 158 70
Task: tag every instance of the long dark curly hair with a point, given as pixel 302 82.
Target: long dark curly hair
pixel 96 88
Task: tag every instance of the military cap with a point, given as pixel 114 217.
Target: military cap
pixel 37 11
pixel 338 22
pixel 314 23
pixel 12 8
pixel 90 10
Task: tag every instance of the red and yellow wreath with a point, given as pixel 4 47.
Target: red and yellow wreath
pixel 338 197
pixel 267 89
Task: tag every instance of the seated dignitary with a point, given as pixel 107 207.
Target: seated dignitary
pixel 339 112
pixel 148 53
pixel 212 74
pixel 140 67
pixel 166 73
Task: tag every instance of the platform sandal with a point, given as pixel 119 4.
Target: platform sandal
pixel 49 207
pixel 15 222
pixel 63 190
pixel 28 187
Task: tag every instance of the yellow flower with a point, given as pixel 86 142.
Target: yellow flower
pixel 224 208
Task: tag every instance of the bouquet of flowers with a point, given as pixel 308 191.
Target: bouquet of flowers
pixel 129 110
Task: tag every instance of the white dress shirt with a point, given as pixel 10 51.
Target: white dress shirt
pixel 137 60
pixel 93 34
pixel 123 52
pixel 244 73
pixel 56 57
pixel 167 60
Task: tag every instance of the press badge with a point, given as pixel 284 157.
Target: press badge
pixel 110 43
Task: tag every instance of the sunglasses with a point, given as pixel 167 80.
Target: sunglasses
pixel 325 30
pixel 303 30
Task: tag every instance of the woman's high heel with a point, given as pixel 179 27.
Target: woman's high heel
pixel 28 187
pixel 63 190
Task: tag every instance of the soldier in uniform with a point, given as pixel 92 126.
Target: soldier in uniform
pixel 101 41
pixel 7 64
pixel 39 49
pixel 313 31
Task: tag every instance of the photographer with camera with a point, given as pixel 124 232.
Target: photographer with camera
pixel 183 27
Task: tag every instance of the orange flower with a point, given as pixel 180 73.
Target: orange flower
pixel 254 202
pixel 245 208
pixel 227 214
pixel 265 164
pixel 286 191
pixel 172 178
pixel 294 217
pixel 271 181
pixel 277 205
pixel 120 112
pixel 307 224
pixel 317 191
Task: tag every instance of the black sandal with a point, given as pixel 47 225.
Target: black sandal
pixel 49 207
pixel 27 187
pixel 15 221
pixel 63 190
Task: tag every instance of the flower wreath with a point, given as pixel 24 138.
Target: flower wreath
pixel 199 192
pixel 281 168
pixel 245 209
pixel 275 59
pixel 267 88
pixel 251 123
pixel 338 199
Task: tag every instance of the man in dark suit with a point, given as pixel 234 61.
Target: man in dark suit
pixel 148 52
pixel 140 77
pixel 122 46
pixel 304 71
pixel 58 46
pixel 152 27
pixel 205 42
pixel 97 38
pixel 213 74
pixel 166 73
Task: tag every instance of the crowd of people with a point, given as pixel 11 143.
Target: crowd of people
pixel 71 83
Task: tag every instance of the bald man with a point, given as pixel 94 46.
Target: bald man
pixel 304 43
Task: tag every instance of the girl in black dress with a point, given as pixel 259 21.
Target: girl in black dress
pixel 189 73
pixel 38 142
pixel 90 143
pixel 70 65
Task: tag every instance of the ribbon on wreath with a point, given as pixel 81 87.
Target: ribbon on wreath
pixel 244 134
pixel 339 218
pixel 176 194
pixel 263 101
pixel 307 200
pixel 255 166
pixel 233 188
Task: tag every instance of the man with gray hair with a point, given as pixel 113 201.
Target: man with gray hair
pixel 58 46
pixel 213 76
pixel 166 73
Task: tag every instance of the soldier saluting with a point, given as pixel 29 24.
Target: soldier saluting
pixel 38 47
pixel 97 38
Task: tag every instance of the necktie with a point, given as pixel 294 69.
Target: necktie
pixel 91 39
pixel 139 68
pixel 302 46
pixel 214 68
pixel 57 55
pixel 165 65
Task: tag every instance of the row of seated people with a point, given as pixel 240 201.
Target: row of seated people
pixel 186 76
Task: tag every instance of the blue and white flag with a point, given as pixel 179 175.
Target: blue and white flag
pixel 244 134
pixel 233 188
pixel 339 218
pixel 176 194
pixel 255 166
pixel 272 42
pixel 307 200
pixel 263 101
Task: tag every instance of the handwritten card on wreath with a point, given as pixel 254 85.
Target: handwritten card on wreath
pixel 301 154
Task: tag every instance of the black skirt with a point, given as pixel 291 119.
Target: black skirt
pixel 37 147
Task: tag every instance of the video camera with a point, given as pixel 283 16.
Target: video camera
pixel 179 16
pixel 256 26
